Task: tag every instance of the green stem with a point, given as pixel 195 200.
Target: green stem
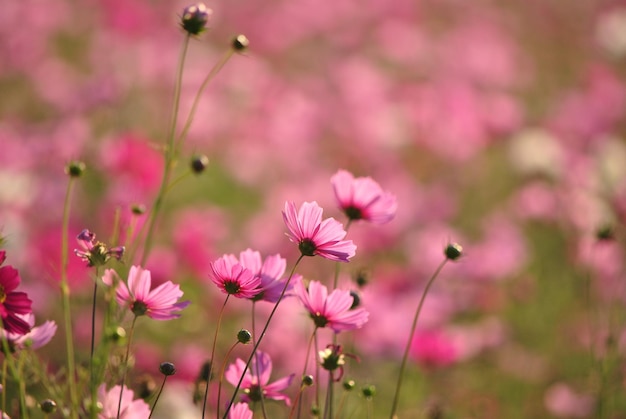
pixel 394 407
pixel 257 360
pixel 210 76
pixel 267 323
pixel 125 367
pixel 208 379
pixel 221 379
pixel 170 154
pixel 93 382
pixel 65 301
pixel 157 396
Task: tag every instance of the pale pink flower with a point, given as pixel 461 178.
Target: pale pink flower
pixel 36 338
pixel 240 411
pixel 233 278
pixel 255 381
pixel 314 236
pixel 160 304
pixel 563 402
pixel 362 198
pixel 334 311
pixel 270 271
pixel 433 348
pixel 130 409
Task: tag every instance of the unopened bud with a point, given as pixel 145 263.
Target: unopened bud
pixel 244 336
pixel 453 251
pixel 240 43
pixel 369 391
pixel 48 406
pixel 307 380
pixel 75 168
pixel 349 385
pixel 195 18
pixel 167 368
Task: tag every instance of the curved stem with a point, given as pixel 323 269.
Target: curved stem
pixel 221 379
pixel 256 359
pixel 267 323
pixel 158 396
pixel 208 379
pixel 170 154
pixel 396 396
pixel 65 301
pixel 210 76
pixel 125 366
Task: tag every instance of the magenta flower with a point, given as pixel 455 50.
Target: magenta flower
pixel 233 278
pixel 36 338
pixel 130 409
pixel 255 381
pixel 269 271
pixel 334 310
pixel 12 303
pixel 96 253
pixel 240 411
pixel 314 236
pixel 362 198
pixel 159 304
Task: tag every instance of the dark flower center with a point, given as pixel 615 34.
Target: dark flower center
pixel 255 393
pixel 3 295
pixel 231 287
pixel 319 320
pixel 139 308
pixel 353 213
pixel 307 247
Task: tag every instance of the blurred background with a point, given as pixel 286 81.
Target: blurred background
pixel 498 125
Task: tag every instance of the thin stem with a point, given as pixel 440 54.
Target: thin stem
pixel 125 367
pixel 65 301
pixel 317 370
pixel 342 401
pixel 306 363
pixel 267 323
pixel 328 409
pixel 394 407
pixel 170 154
pixel 258 374
pixel 208 379
pixel 296 401
pixel 157 396
pixel 92 383
pixel 221 379
pixel 210 76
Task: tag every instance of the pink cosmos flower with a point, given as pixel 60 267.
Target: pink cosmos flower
pixel 233 278
pixel 240 411
pixel 12 303
pixel 255 381
pixel 131 409
pixel 159 304
pixel 36 338
pixel 314 236
pixel 332 310
pixel 362 198
pixel 269 271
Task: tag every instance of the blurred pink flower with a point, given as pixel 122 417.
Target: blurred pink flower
pixel 562 401
pixel 159 304
pixel 12 303
pixel 362 198
pixel 130 409
pixel 433 348
pixel 269 271
pixel 233 278
pixel 314 236
pixel 240 411
pixel 36 338
pixel 334 310
pixel 255 382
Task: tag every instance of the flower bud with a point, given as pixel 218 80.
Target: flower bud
pixel 244 336
pixel 138 209
pixel 48 406
pixel 315 411
pixel 356 299
pixel 349 385
pixel 167 368
pixel 307 380
pixel 75 168
pixel 240 43
pixel 195 18
pixel 369 391
pixel 453 251
pixel 605 233
pixel 361 277
pixel 199 163
pixel 205 369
